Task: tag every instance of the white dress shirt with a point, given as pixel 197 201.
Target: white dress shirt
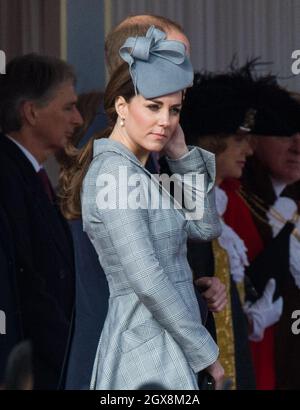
pixel 27 154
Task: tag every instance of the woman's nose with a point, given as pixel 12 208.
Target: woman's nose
pixel 248 150
pixel 164 119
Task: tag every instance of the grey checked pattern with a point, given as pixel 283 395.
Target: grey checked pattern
pixel 153 331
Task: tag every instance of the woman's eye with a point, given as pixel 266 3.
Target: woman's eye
pixel 153 107
pixel 239 138
pixel 70 107
pixel 175 110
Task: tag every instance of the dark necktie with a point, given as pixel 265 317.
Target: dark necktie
pixel 42 174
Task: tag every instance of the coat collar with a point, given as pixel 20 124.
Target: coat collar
pixel 108 145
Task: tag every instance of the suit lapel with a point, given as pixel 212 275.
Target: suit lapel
pixel 56 225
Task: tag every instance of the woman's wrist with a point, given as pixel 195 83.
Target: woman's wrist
pixel 177 152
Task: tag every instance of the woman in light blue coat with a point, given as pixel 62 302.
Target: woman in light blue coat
pixel 153 332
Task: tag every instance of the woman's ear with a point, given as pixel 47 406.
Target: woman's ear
pixel 121 107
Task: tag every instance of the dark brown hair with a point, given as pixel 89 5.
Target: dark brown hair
pixel 88 106
pixel 217 143
pixel 120 84
pixel 29 77
pixel 213 143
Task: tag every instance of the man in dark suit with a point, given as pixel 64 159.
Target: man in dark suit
pixel 37 116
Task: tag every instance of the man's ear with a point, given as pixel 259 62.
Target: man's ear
pixel 29 112
pixel 121 107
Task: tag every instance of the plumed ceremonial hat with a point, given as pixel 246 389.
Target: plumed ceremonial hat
pixel 237 101
pixel 278 113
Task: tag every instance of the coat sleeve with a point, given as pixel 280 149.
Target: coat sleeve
pixel 196 173
pixel 131 241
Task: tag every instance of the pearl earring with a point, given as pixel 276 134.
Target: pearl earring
pixel 122 122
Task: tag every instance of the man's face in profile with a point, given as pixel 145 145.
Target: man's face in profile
pixel 56 121
pixel 281 156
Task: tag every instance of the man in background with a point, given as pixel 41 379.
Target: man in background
pixel 38 115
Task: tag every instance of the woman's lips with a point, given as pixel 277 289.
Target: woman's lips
pixel 241 163
pixel 160 136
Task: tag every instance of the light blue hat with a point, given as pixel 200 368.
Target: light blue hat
pixel 157 66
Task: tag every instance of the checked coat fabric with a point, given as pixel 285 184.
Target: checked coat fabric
pixel 153 332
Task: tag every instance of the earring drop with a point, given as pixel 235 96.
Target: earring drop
pixel 122 122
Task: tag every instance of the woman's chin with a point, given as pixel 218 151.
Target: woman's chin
pixel 237 174
pixel 157 147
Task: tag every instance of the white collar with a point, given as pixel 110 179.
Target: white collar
pixel 278 186
pixel 27 154
pixel 221 200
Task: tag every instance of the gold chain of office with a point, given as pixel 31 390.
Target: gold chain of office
pixel 255 203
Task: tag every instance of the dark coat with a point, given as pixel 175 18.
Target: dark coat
pixel 44 262
pixel 201 260
pixel 11 331
pixel 92 296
